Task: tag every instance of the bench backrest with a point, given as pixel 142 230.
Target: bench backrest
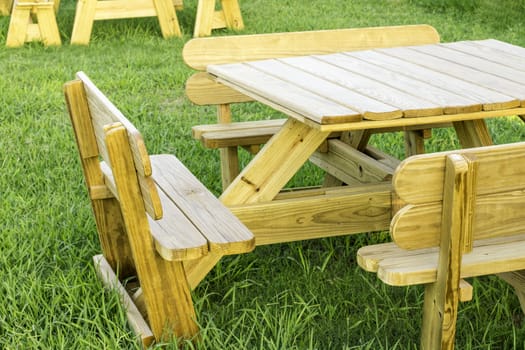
pixel 94 117
pixel 201 52
pixel 494 195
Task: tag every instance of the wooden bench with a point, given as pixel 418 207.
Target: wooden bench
pixel 33 21
pixel 206 19
pixel 202 89
pixel 155 220
pixel 88 11
pixel 460 214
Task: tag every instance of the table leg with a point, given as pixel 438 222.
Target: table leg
pixel 275 165
pixel 473 133
pixel 5 7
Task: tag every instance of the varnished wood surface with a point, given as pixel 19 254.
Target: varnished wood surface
pixel 386 84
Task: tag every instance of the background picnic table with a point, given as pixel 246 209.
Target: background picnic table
pixel 307 295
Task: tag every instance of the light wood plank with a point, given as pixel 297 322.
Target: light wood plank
pixel 410 105
pixel 203 89
pixel 483 51
pixel 400 268
pixel 135 318
pixel 449 102
pixel 490 99
pixel 370 108
pixel 223 231
pixel 318 213
pixel 350 165
pixel 479 64
pixel 495 164
pixel 456 70
pixel 503 46
pixel 166 307
pixel 494 215
pixel 310 105
pixel 199 131
pixel 202 52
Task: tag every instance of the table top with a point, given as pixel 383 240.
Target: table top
pixel 399 86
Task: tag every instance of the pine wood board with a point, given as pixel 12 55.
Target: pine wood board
pixel 318 213
pixel 223 231
pixel 449 102
pixel 369 108
pixel 428 58
pixel 410 104
pixel 282 92
pixel 485 96
pixel 202 52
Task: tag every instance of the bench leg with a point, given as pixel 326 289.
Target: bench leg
pixel 204 18
pixel 83 25
pixel 169 24
pixel 18 26
pixel 5 7
pixel 232 14
pixel 208 18
pixel 517 280
pixel 48 27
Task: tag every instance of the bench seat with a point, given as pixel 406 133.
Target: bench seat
pixel 237 134
pixel 400 267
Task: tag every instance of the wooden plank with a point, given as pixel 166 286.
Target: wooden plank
pixel 103 113
pixel 503 46
pixel 449 102
pixel 494 215
pixel 202 52
pixel 483 51
pixel 232 14
pixel 400 268
pixel 246 137
pixel 5 7
pixel 370 108
pixel 490 99
pixel 224 232
pixel 503 167
pixel 442 297
pixel 153 271
pixel 479 64
pixel 350 165
pixel 410 104
pixel 203 89
pixel 316 108
pixel 265 176
pixel 136 320
pixel 456 70
pixel 167 16
pixel 321 213
pixel 83 24
pixel 198 131
pixel 47 25
pixel 439 121
pixel 119 9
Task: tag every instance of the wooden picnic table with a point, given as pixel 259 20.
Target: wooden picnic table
pixel 402 88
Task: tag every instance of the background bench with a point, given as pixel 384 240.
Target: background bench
pixel 202 89
pixel 155 220
pixel 460 214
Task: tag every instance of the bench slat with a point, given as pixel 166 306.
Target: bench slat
pixel 224 232
pixel 398 267
pixel 429 169
pixel 189 244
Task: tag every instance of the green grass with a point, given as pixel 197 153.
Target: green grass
pixel 308 295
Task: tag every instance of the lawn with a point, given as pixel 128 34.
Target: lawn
pixel 308 295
